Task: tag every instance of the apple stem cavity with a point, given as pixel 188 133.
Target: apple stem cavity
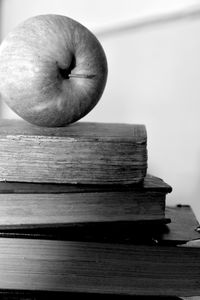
pixel 66 73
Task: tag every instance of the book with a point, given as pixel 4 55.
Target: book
pixel 43 205
pixel 170 267
pixel 81 153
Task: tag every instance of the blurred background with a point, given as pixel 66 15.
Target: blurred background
pixel 153 52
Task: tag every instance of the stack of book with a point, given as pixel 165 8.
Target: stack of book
pixel 80 214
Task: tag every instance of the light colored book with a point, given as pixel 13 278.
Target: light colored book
pixel 81 153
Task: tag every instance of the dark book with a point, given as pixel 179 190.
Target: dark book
pixel 170 267
pixel 83 153
pixel 43 205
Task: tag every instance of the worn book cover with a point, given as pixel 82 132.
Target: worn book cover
pixel 81 153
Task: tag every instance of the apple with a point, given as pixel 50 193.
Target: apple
pixel 53 70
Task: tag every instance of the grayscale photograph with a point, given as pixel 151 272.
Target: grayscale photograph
pixel 99 149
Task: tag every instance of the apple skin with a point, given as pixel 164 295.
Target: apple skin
pixel 53 70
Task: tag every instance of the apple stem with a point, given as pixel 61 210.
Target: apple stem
pixel 89 76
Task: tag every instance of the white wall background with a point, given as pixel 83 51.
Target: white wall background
pixel 154 78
